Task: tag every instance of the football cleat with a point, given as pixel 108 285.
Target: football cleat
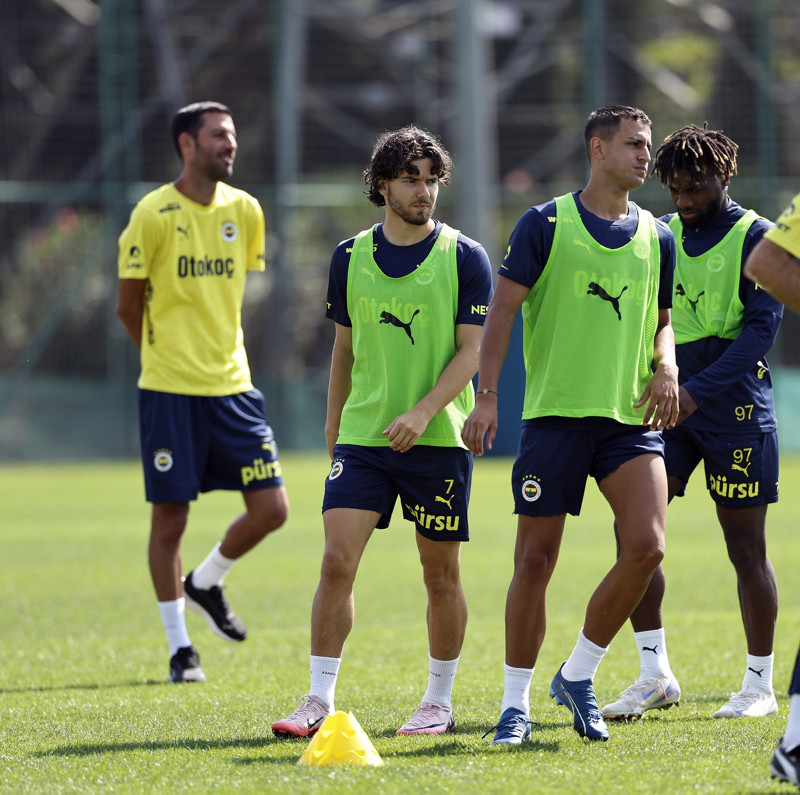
pixel 304 721
pixel 212 605
pixel 785 765
pixel 429 718
pixel 654 692
pixel 582 702
pixel 184 666
pixel 513 728
pixel 747 704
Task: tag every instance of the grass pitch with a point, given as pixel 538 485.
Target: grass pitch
pixel 85 707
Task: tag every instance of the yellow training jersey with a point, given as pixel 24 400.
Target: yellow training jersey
pixel 195 259
pixel 786 232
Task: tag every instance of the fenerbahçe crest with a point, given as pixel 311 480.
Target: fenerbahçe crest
pixel 229 232
pixel 531 489
pixel 162 460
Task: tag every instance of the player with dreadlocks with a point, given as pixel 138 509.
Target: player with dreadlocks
pixel 724 325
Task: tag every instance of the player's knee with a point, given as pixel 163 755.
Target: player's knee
pixel 441 579
pixel 269 514
pixel 169 522
pixel 534 563
pixel 645 556
pixel 746 555
pixel 338 566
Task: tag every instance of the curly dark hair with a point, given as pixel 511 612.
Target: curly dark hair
pixel 190 119
pixel 393 154
pixel 696 152
pixel 604 122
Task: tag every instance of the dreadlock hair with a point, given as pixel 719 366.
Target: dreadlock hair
pixel 393 154
pixel 698 153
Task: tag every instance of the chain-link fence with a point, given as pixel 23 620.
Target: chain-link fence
pixel 87 88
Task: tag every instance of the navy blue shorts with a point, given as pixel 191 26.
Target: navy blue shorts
pixel 191 444
pixel 433 484
pixel 741 471
pixel 552 465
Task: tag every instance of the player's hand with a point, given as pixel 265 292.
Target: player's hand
pixel 687 404
pixel 404 431
pixel 482 422
pixel 661 398
pixel 331 435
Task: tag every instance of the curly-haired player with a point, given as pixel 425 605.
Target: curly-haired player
pixel 724 325
pixel 408 298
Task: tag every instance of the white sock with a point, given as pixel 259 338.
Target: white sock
pixel 212 570
pixel 758 675
pixel 440 681
pixel 584 660
pixel 791 737
pixel 324 672
pixel 652 646
pixel 516 691
pixel 173 616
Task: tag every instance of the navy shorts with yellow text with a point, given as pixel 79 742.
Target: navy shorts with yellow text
pixel 554 461
pixel 192 444
pixel 433 484
pixel 741 470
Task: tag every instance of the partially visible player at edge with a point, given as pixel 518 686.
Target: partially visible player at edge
pixel 724 327
pixel 775 265
pixel 597 394
pixel 183 264
pixel 408 298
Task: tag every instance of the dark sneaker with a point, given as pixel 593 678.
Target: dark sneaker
pixel 214 607
pixel 184 666
pixel 513 728
pixel 582 702
pixel 785 765
pixel 304 721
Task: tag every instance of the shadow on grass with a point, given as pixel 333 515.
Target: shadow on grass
pixel 187 743
pixel 89 686
pixel 455 747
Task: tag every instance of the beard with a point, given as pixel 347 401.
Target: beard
pixel 410 215
pixel 214 168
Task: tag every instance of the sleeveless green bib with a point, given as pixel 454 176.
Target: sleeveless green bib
pixel 706 300
pixel 403 338
pixel 589 322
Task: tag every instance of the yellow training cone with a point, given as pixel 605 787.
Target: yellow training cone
pixel 340 741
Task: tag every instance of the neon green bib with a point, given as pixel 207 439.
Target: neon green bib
pixel 589 322
pixel 403 338
pixel 706 301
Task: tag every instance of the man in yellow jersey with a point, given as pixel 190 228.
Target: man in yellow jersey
pixel 592 407
pixel 775 265
pixel 183 264
pixel 408 298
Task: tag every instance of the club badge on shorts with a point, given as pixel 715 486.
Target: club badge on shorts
pixel 531 489
pixel 162 460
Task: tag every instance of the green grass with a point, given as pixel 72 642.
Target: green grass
pixel 84 705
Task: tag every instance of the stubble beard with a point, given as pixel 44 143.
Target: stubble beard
pixel 410 216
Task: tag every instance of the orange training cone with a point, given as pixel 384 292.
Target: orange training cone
pixel 340 741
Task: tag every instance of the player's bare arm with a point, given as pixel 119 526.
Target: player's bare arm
pixel 404 430
pixel 130 307
pixel 482 422
pixel 661 394
pixel 339 383
pixel 777 271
